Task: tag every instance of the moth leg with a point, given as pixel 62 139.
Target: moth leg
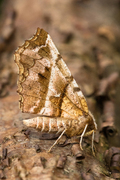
pixel 57 140
pixel 82 136
pixel 93 143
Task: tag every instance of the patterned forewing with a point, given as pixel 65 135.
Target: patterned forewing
pixel 45 84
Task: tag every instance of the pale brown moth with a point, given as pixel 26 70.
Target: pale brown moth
pixel 47 88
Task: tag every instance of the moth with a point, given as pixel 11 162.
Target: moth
pixel 47 88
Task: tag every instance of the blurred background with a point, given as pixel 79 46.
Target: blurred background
pixel 87 35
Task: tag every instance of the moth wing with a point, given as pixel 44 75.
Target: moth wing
pixel 45 84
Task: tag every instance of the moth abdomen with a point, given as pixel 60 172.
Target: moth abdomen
pixel 50 125
pixel 58 125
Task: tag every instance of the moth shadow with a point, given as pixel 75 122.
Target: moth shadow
pixel 32 133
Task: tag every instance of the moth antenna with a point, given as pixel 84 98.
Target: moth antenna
pixel 57 140
pixel 82 136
